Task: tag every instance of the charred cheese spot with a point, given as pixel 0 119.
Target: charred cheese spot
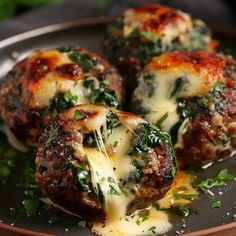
pixel 70 71
pixel 123 171
pixel 187 94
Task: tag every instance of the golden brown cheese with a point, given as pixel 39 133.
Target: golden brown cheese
pixel 208 66
pixel 200 70
pixel 164 22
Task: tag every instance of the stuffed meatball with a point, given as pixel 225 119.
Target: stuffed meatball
pixel 139 34
pixel 50 81
pixel 94 161
pixel 192 96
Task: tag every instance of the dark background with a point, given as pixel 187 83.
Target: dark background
pixel 217 12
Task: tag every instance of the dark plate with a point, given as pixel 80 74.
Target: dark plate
pixel 88 33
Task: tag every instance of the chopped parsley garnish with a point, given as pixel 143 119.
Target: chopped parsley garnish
pixel 69 97
pixel 161 120
pixel 83 177
pixel 178 195
pixel 79 115
pixel 143 216
pixel 216 204
pixel 9 158
pixel 113 190
pixel 100 194
pixel 27 179
pixel 52 135
pixel 182 210
pixel 152 229
pixel 53 219
pixel 106 82
pixel 219 180
pixel 31 206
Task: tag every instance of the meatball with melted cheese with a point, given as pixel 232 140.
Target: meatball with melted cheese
pixel 192 96
pixel 139 34
pixel 50 81
pixel 94 161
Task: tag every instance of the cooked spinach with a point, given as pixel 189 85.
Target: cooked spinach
pixel 136 107
pixel 178 85
pixel 52 135
pixel 150 83
pixel 197 37
pixel 8 160
pixel 113 121
pixel 90 140
pixel 188 108
pixel 146 137
pixel 83 177
pixel 61 102
pixel 102 95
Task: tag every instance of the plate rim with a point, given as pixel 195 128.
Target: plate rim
pixel 219 230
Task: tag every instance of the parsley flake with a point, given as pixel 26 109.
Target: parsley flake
pixel 52 135
pixel 216 204
pixel 79 115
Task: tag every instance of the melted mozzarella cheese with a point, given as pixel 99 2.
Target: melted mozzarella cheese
pixel 110 162
pixel 53 83
pixel 157 223
pixel 161 101
pixel 182 181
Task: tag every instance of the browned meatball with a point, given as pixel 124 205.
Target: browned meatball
pixel 92 157
pixel 150 30
pixel 50 81
pixel 192 96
